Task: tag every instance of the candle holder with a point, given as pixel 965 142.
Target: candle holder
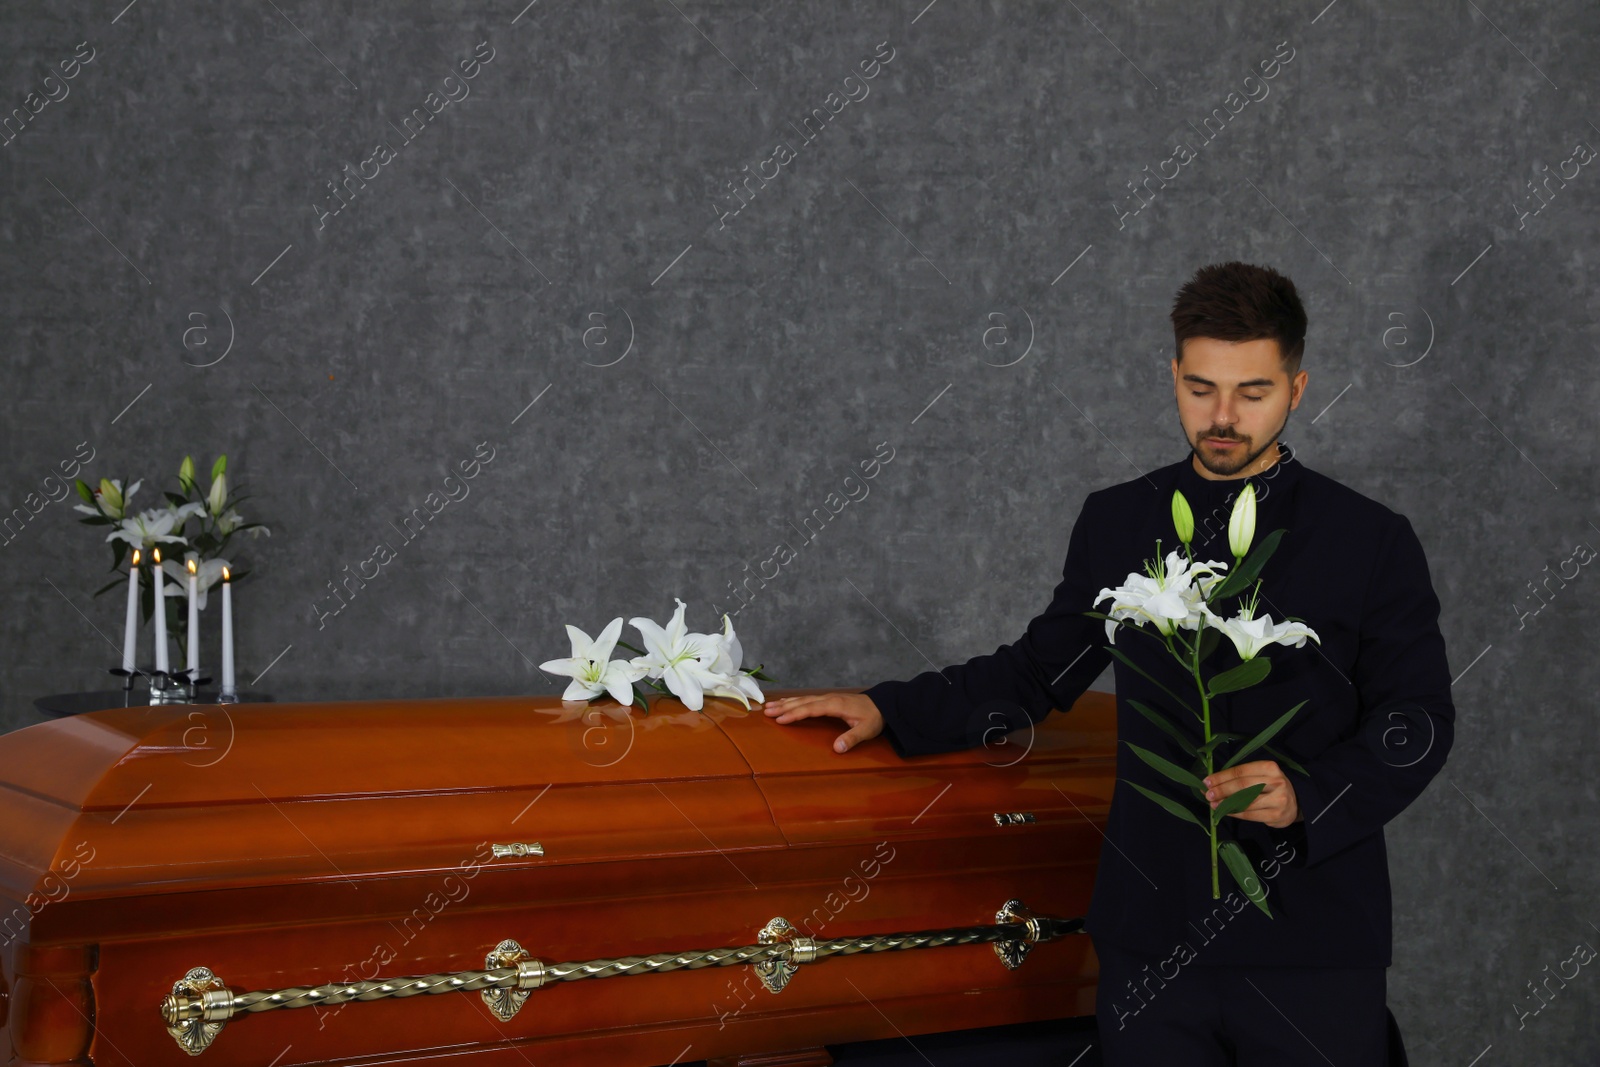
pixel 166 687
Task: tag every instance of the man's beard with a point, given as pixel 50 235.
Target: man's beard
pixel 1224 465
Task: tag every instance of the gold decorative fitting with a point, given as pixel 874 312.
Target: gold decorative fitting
pixel 1012 818
pixel 1013 952
pixel 517 848
pixel 506 1002
pixel 200 1004
pixel 776 971
pixel 196 1009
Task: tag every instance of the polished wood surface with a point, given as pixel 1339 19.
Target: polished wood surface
pixel 297 844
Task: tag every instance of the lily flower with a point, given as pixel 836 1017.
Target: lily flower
pixel 733 682
pixel 1242 522
pixel 1171 594
pixel 591 668
pixel 207 574
pixel 1182 517
pixel 681 659
pixel 1250 634
pixel 154 525
pixel 217 498
pixel 109 499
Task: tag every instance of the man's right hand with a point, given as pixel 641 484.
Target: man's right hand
pixel 856 710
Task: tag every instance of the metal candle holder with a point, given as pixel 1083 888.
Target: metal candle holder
pixel 166 687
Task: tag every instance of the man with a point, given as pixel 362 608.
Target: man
pixel 1186 979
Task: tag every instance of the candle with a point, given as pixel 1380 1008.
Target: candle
pixel 130 627
pixel 161 613
pixel 227 635
pixel 193 639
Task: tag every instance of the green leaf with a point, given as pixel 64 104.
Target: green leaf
pixel 219 466
pixel 177 500
pixel 1240 580
pixel 1166 767
pixel 1217 739
pixel 1285 760
pixel 85 492
pixel 1237 801
pixel 1243 676
pixel 1117 652
pixel 1244 872
pixel 1167 802
pixel 1165 724
pixel 1264 736
pixel 112 584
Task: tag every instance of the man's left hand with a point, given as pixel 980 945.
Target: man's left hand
pixel 1276 805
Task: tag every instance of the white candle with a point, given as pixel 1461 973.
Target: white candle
pixel 227 635
pixel 161 613
pixel 193 639
pixel 130 627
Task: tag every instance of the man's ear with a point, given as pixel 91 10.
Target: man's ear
pixel 1297 389
pixel 1174 375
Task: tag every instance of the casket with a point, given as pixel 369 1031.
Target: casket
pixel 506 881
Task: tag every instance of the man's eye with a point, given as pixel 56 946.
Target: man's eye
pixel 1198 392
pixel 1247 396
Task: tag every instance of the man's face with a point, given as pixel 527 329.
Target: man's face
pixel 1234 399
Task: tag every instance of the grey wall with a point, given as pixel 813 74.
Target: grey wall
pixel 177 184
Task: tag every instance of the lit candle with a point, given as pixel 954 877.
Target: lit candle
pixel 193 638
pixel 227 635
pixel 130 627
pixel 161 613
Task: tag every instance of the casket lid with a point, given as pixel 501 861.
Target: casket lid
pixel 182 797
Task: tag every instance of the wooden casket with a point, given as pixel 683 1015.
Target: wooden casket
pixel 516 880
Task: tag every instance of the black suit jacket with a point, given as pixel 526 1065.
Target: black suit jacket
pixel 1377 726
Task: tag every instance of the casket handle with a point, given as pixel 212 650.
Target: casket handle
pixel 200 1003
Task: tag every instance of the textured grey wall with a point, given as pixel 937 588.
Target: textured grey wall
pixel 476 291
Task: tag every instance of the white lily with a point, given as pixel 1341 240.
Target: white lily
pixel 734 683
pixel 207 574
pixel 217 498
pixel 682 659
pixel 592 669
pixel 1251 635
pixel 154 525
pixel 1171 595
pixel 110 499
pixel 1242 522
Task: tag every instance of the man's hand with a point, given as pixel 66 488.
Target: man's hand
pixel 1276 806
pixel 857 711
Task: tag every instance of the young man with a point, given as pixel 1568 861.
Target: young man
pixel 1185 979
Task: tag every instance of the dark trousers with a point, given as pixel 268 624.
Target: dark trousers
pixel 1214 1016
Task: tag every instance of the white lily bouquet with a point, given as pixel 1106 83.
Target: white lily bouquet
pixel 1174 598
pixel 198 524
pixel 689 666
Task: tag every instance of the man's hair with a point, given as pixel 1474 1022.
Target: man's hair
pixel 1241 302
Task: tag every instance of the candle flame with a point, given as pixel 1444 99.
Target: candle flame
pixel 136 557
pixel 224 574
pixel 157 552
pixel 191 566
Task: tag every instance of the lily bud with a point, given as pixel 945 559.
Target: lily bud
pixel 218 495
pixel 1182 517
pixel 186 473
pixel 1242 522
pixel 110 498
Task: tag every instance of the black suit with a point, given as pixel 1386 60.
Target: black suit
pixel 1376 728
